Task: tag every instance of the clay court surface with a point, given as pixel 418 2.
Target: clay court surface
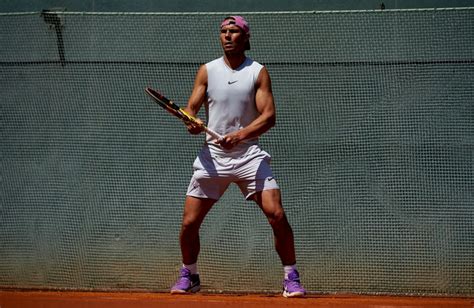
pixel 43 299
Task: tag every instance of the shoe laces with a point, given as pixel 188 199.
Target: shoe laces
pixel 293 281
pixel 185 274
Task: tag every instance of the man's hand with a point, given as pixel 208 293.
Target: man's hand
pixel 195 129
pixel 231 140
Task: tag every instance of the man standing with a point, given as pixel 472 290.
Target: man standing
pixel 237 95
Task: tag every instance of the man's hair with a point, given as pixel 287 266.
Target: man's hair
pixel 241 23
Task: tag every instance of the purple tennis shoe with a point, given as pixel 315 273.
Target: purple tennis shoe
pixel 187 283
pixel 292 286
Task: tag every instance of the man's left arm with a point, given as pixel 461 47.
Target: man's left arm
pixel 266 108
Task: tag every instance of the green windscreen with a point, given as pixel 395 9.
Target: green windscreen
pixel 373 151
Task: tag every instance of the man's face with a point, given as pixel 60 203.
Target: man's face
pixel 233 39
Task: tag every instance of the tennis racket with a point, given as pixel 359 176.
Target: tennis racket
pixel 179 112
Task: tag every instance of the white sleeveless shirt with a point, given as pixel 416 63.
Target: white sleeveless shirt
pixel 231 101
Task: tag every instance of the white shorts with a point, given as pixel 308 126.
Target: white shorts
pixel 213 174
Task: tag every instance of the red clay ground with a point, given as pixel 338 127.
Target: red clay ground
pixel 43 299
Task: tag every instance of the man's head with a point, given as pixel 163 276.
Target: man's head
pixel 235 29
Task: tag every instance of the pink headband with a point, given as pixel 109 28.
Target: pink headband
pixel 239 21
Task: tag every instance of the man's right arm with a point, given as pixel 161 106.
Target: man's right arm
pixel 198 95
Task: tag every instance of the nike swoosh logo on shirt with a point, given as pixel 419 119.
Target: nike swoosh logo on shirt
pixel 231 82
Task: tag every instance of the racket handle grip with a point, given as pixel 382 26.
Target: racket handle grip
pixel 213 133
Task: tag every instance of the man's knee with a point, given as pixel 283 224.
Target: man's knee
pixel 190 224
pixel 277 219
pixel 194 212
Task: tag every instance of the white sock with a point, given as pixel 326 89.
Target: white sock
pixel 288 269
pixel 191 267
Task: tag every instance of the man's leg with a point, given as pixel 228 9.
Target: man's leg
pixel 270 203
pixel 195 210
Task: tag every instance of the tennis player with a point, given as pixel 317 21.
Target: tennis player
pixel 237 95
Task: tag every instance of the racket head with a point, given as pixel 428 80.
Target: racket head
pixel 164 102
pixel 171 107
pixel 178 112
